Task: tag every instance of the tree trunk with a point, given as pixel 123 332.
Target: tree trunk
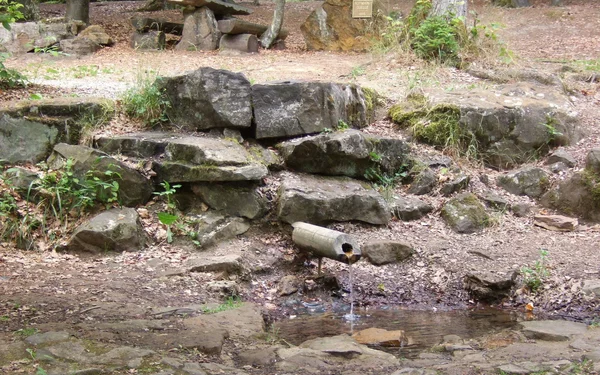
pixel 449 8
pixel 30 10
pixel 269 36
pixel 78 10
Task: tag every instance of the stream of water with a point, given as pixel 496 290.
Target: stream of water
pixel 424 328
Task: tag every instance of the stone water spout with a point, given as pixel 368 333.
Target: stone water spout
pixel 326 243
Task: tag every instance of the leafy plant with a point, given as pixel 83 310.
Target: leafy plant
pixel 232 302
pixel 145 101
pixel 357 71
pixel 168 192
pixel 52 50
pixel 168 218
pixel 26 332
pixel 342 125
pixel 435 39
pixel 10 12
pixel 550 125
pixel 533 277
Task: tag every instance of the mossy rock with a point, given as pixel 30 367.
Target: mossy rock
pixel 504 126
pixel 465 214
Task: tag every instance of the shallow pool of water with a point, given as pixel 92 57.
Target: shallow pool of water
pixel 425 328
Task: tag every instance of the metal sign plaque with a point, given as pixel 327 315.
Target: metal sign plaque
pixel 362 8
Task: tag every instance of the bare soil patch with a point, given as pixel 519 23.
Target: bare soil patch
pixel 51 290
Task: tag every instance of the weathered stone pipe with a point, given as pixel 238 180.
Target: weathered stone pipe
pixel 326 243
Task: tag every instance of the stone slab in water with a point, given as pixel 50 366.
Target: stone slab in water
pixel 552 330
pixel 378 336
pixel 319 200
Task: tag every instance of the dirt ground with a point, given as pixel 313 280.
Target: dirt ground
pixel 38 288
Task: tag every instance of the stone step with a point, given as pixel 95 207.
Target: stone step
pixel 182 158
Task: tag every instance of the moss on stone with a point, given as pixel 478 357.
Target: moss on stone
pixel 437 125
pixel 592 184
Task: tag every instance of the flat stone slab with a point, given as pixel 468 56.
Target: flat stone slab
pixel 552 330
pixel 227 263
pixel 180 158
pixel 317 200
pixel 345 153
pixel 48 337
pixel 556 223
pixel 217 6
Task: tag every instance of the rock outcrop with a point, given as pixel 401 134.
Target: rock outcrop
pixel 505 126
pixel 345 153
pixel 208 98
pixel 320 200
pixel 287 109
pixel 465 214
pixel 182 158
pixel 134 188
pixel 529 181
pixel 118 229
pixel 29 129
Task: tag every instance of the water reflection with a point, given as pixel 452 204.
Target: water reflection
pixel 424 328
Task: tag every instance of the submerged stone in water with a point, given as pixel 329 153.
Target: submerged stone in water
pixel 378 336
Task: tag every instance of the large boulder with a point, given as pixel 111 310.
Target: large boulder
pixel 134 188
pixel 529 181
pixel 505 126
pixel 331 27
pixel 23 141
pixel 233 199
pixel 577 195
pixel 96 34
pixel 200 30
pixel 288 109
pixel 30 128
pixel 347 153
pixel 26 37
pixel 181 158
pixel 118 229
pixel 319 200
pixel 208 98
pixel 465 214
